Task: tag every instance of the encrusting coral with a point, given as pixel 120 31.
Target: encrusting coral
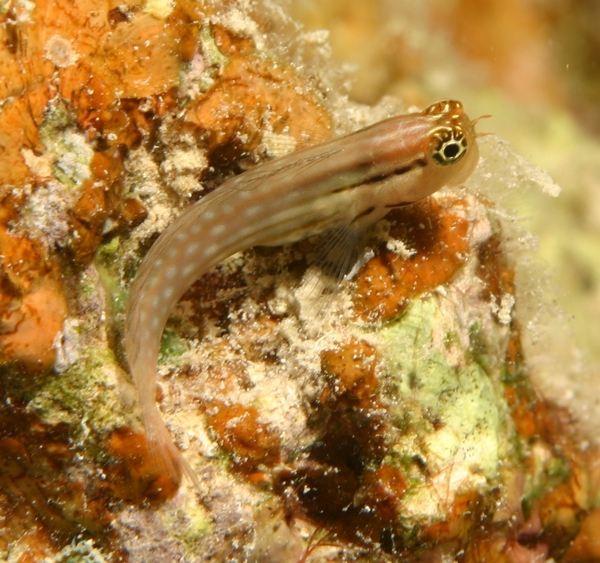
pixel 390 419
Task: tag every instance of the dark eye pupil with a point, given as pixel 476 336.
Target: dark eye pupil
pixel 451 150
pixel 448 145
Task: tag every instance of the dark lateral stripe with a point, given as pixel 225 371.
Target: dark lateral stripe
pixel 364 214
pixel 420 162
pixel 381 177
pixel 395 205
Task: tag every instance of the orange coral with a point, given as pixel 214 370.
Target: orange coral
pixel 466 510
pixel 100 200
pixel 239 430
pixel 268 92
pixel 387 283
pixel 586 546
pixel 354 369
pixel 32 304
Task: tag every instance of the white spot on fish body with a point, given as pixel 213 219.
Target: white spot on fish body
pixel 173 252
pixel 192 249
pixel 217 230
pixel 253 210
pixel 244 194
pixel 210 250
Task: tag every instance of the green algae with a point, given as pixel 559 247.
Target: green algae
pixel 84 396
pixel 210 48
pixel 189 525
pixel 172 347
pixel 108 259
pixel 450 414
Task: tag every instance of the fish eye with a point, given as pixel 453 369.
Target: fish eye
pixel 448 145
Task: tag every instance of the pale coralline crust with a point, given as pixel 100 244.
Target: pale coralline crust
pixel 253 343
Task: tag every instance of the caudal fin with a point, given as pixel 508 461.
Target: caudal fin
pixel 167 457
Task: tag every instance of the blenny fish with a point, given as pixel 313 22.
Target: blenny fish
pixel 342 186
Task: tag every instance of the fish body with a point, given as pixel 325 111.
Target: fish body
pixel 343 185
